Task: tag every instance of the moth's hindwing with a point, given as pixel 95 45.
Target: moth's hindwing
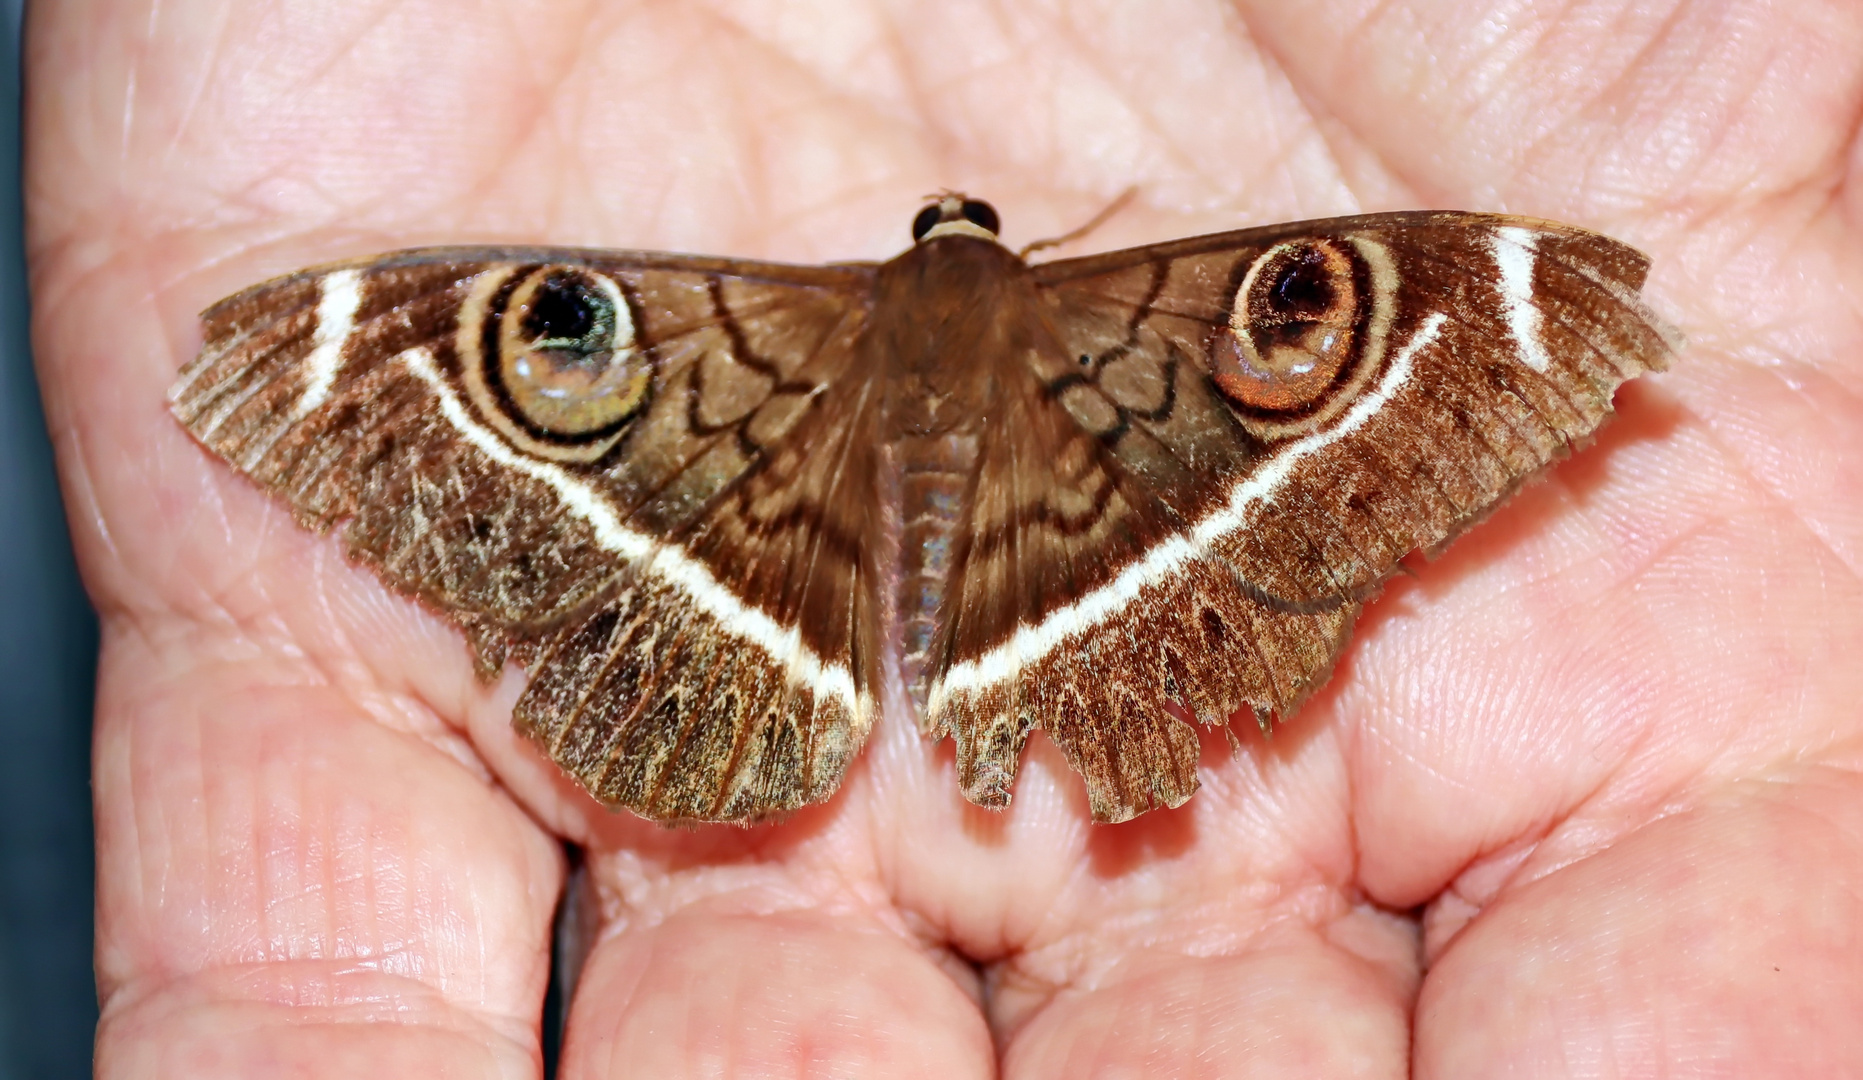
pixel 591 461
pixel 1276 417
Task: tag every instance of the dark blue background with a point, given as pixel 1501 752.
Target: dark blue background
pixel 48 647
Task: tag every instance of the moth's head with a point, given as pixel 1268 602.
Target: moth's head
pixel 951 214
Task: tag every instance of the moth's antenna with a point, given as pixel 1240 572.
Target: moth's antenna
pixel 1072 235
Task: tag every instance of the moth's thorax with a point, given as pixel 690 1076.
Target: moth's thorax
pixel 947 316
pixel 951 317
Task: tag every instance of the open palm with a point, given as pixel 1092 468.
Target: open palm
pixel 1583 799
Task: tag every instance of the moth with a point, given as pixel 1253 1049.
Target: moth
pixel 723 511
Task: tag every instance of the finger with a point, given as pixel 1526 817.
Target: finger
pixel 287 885
pixel 723 989
pixel 1722 937
pixel 1299 1006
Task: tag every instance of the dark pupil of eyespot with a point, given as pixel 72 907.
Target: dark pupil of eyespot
pixel 981 214
pixel 561 308
pixel 1303 289
pixel 923 224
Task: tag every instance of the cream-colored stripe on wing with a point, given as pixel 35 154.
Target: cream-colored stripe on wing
pixel 1515 252
pixel 664 561
pixel 1030 643
pixel 337 304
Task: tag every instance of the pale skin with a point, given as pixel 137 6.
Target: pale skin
pixel 1583 799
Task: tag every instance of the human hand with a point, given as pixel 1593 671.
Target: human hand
pixel 1582 798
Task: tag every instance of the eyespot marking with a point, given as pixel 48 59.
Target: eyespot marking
pixel 567 357
pixel 1294 326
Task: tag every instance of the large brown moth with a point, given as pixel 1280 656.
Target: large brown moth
pixel 714 505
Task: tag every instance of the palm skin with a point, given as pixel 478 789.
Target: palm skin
pixel 1582 800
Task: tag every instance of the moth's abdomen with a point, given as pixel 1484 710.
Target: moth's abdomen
pixel 933 477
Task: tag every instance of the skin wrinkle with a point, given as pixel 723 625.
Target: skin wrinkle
pixel 1528 850
pixel 771 222
pixel 1181 160
pixel 1777 500
pixel 1521 849
pixel 326 993
pixel 549 95
pixel 1736 192
pixel 201 83
pixel 1701 153
pixel 920 103
pixel 791 65
pixel 132 83
pixel 198 633
pixel 743 34
pixel 553 68
pixel 1306 94
pixel 1355 198
pixel 1532 149
pixel 345 49
pixel 1621 82
pixel 1529 838
pixel 1541 146
pixel 1529 868
pixel 497 171
pixel 1082 964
